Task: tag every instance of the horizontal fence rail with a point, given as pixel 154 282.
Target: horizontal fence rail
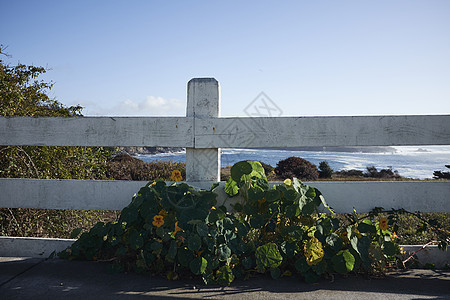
pixel 226 132
pixel 97 131
pixel 424 196
pixel 322 131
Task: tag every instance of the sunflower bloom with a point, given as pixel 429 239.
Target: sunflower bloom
pixel 287 182
pixel 176 176
pixel 383 224
pixel 177 228
pixel 158 221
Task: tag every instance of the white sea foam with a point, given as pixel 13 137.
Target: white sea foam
pixel 410 161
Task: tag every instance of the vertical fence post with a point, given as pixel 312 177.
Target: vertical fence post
pixel 203 101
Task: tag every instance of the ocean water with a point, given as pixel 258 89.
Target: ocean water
pixel 410 161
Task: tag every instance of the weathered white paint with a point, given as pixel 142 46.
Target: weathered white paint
pixel 97 131
pixel 203 102
pixel 31 247
pixel 322 131
pixel 424 196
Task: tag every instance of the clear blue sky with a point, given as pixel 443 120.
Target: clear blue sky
pixel 309 57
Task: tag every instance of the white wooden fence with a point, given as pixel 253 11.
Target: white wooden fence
pixel 203 132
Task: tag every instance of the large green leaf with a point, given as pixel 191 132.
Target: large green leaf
pixel 257 167
pixel 231 187
pixel 194 242
pixel 184 256
pixel 239 169
pixel 255 194
pixel 134 239
pixel 301 265
pixel 389 248
pixel 224 276
pixel 202 229
pixel 198 265
pixel 334 241
pixel 268 256
pixel 343 262
pixel 366 226
pixel 171 254
pixel 223 252
pixel 272 195
pixel 129 214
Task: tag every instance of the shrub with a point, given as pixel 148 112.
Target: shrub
pixel 176 230
pixel 296 167
pixel 324 170
pixel 383 173
pixel 350 173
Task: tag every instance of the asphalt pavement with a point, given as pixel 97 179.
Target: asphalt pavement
pixel 33 278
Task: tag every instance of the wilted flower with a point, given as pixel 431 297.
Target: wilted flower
pixel 176 176
pixel 163 213
pixel 158 221
pixel 177 228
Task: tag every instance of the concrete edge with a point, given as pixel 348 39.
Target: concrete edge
pixel 31 246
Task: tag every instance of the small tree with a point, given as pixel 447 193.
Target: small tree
pixel 325 171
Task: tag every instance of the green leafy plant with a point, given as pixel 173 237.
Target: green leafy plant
pixel 176 230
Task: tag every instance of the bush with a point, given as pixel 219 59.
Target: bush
pixel 296 167
pixel 324 170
